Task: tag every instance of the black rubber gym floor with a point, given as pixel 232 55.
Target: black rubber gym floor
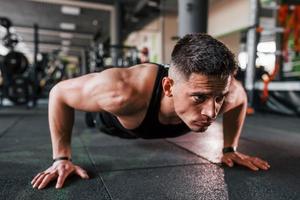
pixel 181 168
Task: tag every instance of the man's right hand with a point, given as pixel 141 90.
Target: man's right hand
pixel 60 170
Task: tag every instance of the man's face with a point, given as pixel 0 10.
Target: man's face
pixel 198 100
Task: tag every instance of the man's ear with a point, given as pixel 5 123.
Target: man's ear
pixel 167 84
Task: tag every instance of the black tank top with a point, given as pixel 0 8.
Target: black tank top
pixel 150 127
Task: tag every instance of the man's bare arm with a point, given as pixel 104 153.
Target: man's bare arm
pixel 93 92
pixel 234 110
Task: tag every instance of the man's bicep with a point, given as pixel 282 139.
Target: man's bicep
pixel 70 92
pixel 96 92
pixel 81 93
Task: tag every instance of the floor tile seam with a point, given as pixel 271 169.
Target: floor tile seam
pixel 154 167
pixel 270 119
pixel 263 143
pixel 218 164
pixel 99 178
pixel 118 145
pixel 276 130
pixel 181 147
pixel 11 126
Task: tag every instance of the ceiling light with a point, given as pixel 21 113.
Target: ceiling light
pixel 67 26
pixel 2 31
pixel 95 22
pixel 243 60
pixel 66 35
pixel 3 50
pixel 66 42
pixel 152 4
pixel 39 57
pixel 69 10
pixel 134 19
pixel 65 49
pixel 267 47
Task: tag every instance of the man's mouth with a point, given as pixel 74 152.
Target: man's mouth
pixel 203 124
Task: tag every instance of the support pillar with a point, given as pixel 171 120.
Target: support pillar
pixel 35 55
pixel 83 59
pixel 279 41
pixel 116 32
pixel 192 15
pixel 251 50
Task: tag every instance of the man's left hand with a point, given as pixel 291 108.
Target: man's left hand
pixel 253 163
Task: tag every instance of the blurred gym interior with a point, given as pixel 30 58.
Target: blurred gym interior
pixel 43 42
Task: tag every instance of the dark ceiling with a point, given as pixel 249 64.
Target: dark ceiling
pixel 91 21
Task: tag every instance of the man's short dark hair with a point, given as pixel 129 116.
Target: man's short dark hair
pixel 201 53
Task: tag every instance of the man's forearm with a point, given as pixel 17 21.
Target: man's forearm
pixel 61 119
pixel 233 121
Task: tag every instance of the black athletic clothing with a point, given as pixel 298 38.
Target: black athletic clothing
pixel 150 127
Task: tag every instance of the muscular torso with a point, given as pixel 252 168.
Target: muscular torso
pixel 147 122
pixel 123 92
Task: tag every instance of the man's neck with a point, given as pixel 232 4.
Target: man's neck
pixel 167 114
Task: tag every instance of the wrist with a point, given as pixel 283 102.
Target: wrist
pixel 61 152
pixel 229 149
pixel 62 158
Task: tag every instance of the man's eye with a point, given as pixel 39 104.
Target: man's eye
pixel 199 99
pixel 220 99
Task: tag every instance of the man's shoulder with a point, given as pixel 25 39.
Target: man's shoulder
pixel 235 97
pixel 142 73
pixel 146 66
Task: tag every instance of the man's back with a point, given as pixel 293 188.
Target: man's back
pixel 150 127
pixel 124 92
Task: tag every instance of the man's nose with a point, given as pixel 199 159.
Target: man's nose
pixel 210 109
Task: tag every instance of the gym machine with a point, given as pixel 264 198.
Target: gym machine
pixel 128 55
pixel 21 82
pixel 100 58
pixel 50 70
pixel 15 84
pixel 278 91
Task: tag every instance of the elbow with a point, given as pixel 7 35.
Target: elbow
pixel 55 92
pixel 244 99
pixel 57 96
pixel 242 95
